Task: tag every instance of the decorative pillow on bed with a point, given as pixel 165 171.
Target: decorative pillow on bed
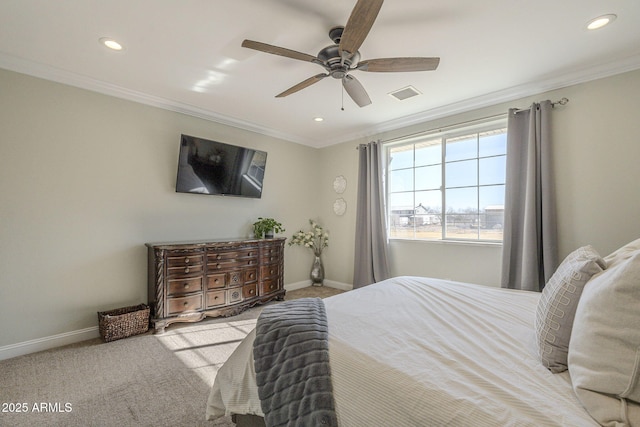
pixel 557 305
pixel 604 352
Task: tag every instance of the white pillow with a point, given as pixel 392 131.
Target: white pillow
pixel 604 352
pixel 623 253
pixel 557 306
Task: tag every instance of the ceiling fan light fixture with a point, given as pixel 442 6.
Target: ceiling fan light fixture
pixel 318 119
pixel 601 21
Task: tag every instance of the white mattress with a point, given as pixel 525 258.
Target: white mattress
pixel 414 351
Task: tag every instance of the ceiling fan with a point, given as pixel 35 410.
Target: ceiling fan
pixel 341 58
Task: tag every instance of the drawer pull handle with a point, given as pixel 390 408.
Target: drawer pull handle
pixel 219 257
pixel 186 270
pixel 218 266
pixel 216 297
pixel 186 286
pixel 187 260
pixel 186 303
pixel 252 291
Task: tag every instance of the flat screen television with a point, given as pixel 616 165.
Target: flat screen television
pixel 212 167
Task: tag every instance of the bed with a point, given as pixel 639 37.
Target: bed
pixel 415 351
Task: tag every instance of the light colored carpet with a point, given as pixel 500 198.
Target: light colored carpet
pixel 146 380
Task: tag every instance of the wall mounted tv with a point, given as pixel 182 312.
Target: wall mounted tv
pixel 212 167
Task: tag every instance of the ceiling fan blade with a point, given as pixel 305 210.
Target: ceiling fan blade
pixel 276 50
pixel 302 85
pixel 360 22
pixel 383 65
pixel 356 91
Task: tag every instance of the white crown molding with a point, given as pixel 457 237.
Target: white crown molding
pixel 47 72
pixel 510 94
pixel 570 78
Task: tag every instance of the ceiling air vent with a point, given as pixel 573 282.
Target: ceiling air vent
pixel 405 93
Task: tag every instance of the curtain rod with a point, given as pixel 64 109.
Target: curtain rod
pixel 562 101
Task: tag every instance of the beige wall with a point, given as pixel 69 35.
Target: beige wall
pixel 596 148
pixel 339 160
pixel 87 179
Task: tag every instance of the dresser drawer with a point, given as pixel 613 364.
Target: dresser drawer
pixel 236 278
pixel 241 253
pixel 226 264
pixel 250 291
pixel 269 271
pixel 234 295
pixel 184 286
pixel 269 252
pixel 184 304
pixel 270 260
pixel 216 298
pixel 184 260
pixel 269 286
pixel 250 275
pixel 185 271
pixel 217 280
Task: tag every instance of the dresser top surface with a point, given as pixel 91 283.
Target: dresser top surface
pixel 212 242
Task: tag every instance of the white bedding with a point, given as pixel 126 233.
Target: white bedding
pixel 413 351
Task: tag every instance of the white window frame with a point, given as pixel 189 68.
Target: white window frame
pixel 450 132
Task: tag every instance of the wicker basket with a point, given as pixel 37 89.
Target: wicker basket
pixel 123 322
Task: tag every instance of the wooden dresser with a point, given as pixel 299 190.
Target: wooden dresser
pixel 189 281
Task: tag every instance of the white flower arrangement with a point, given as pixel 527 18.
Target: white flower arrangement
pixel 316 239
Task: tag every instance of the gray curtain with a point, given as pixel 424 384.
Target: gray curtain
pixel 529 255
pixel 371 260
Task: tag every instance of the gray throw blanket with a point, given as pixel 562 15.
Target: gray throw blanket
pixel 291 358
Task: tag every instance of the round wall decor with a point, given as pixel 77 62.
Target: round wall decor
pixel 339 184
pixel 339 206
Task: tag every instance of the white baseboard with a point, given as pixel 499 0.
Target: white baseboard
pixel 46 343
pixel 327 283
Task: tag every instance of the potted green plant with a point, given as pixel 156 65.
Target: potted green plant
pixel 266 227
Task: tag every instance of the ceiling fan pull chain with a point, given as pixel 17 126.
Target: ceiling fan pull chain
pixel 342 86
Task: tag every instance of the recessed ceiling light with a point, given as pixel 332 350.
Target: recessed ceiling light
pixel 601 21
pixel 318 119
pixel 111 43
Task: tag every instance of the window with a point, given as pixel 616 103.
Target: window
pixel 257 166
pixel 462 170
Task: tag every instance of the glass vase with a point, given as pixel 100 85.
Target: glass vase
pixel 317 271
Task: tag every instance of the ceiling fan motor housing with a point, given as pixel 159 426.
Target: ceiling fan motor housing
pixel 330 57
